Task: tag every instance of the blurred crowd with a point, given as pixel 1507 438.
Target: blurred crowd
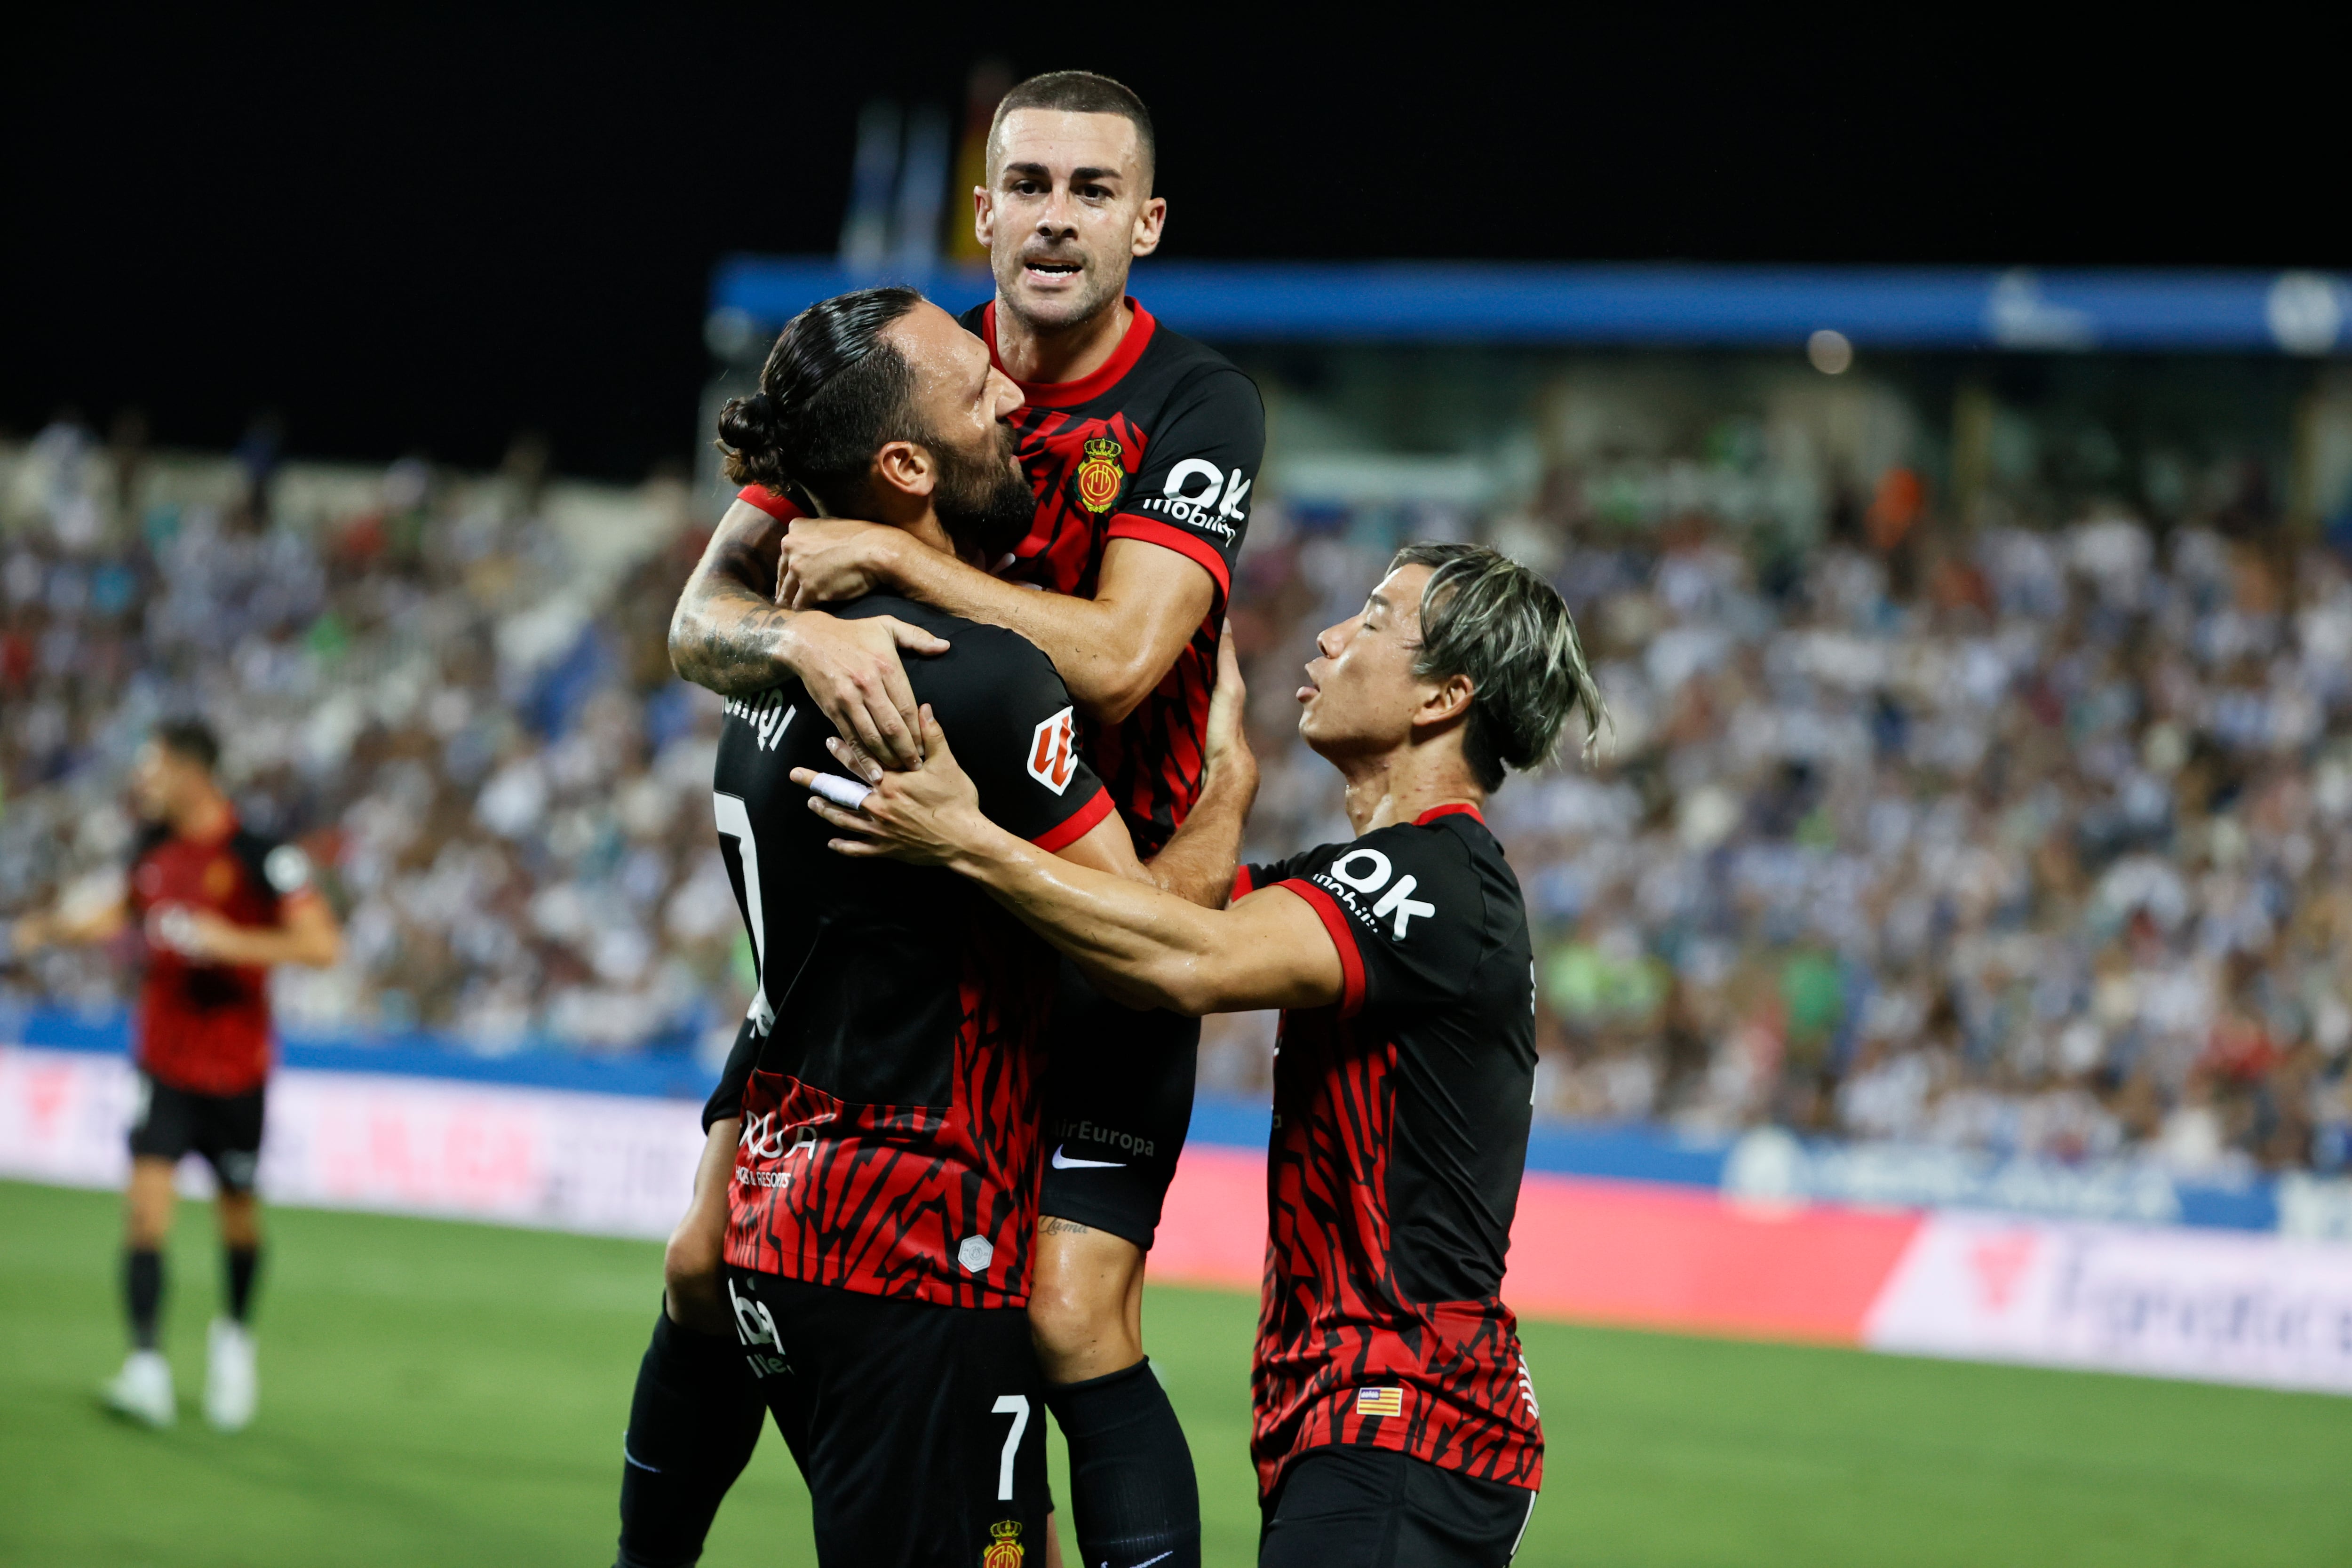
pixel 453 691
pixel 2035 840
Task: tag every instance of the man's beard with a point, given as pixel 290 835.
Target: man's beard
pixel 984 504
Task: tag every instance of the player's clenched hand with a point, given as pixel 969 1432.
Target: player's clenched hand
pixel 927 814
pixel 853 675
pixel 828 560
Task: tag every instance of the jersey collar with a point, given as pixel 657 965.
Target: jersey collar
pixel 1087 388
pixel 1450 809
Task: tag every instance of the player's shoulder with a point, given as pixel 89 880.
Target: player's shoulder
pixel 975 319
pixel 983 663
pixel 275 865
pixel 1445 865
pixel 1189 373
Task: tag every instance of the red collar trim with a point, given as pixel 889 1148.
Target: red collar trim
pixel 1452 807
pixel 1087 388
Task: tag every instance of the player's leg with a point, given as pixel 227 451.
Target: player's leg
pixel 693 1418
pixel 1115 1121
pixel 1380 1507
pixel 228 1132
pixel 925 1438
pixel 159 1137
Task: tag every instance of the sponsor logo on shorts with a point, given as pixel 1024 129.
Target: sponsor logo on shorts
pixel 1380 1401
pixel 1062 1161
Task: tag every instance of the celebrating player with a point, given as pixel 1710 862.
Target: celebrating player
pixel 882 1197
pixel 1140 447
pixel 1395 1418
pixel 218 906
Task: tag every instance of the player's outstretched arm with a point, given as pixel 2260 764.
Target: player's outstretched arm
pixel 729 634
pixel 1111 650
pixel 1141 944
pixel 75 922
pixel 307 934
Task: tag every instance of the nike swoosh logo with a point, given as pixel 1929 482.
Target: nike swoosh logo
pixel 656 1469
pixel 1063 1162
pixel 1148 1562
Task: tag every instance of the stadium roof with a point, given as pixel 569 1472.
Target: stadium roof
pixel 2072 311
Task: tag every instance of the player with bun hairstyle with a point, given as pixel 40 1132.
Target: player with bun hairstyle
pixel 1395 1416
pixel 1141 447
pixel 874 1143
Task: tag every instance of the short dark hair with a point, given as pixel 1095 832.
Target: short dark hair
pixel 1081 92
pixel 832 393
pixel 1485 616
pixel 191 739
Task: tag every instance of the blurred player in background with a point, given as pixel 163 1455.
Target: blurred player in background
pixel 215 907
pixel 1141 446
pixel 1395 1420
pixel 882 1196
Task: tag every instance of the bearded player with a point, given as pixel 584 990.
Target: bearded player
pixel 1395 1420
pixel 882 1198
pixel 218 906
pixel 1141 447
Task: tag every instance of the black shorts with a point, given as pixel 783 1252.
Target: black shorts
pixel 1119 1102
pixel 920 1429
pixel 1380 1508
pixel 226 1129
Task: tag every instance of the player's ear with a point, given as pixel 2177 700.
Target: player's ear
pixel 1149 220
pixel 906 468
pixel 1448 701
pixel 983 217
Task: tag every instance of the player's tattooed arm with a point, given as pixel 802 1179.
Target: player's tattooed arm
pixel 728 634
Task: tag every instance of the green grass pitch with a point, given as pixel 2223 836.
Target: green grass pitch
pixel 453 1393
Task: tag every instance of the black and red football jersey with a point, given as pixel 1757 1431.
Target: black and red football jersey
pixel 1401 1121
pixel 1162 444
pixel 205 1026
pixel 888 1073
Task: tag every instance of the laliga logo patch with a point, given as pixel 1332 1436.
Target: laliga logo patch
pixel 1053 752
pixel 1100 477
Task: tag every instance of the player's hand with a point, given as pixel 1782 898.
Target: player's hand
pixel 829 560
pixel 198 934
pixel 853 675
pixel 925 815
pixel 1227 736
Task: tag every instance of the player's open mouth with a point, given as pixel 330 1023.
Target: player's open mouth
pixel 1309 692
pixel 1052 268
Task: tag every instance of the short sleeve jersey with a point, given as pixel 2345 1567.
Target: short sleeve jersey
pixel 205 1028
pixel 1162 444
pixel 1401 1121
pixel 887 1072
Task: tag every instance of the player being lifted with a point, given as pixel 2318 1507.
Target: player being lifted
pixel 216 907
pixel 1140 447
pixel 882 1193
pixel 1395 1420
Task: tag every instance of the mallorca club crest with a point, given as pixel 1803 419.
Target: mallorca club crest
pixel 1004 1545
pixel 1100 476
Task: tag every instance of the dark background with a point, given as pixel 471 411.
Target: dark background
pixel 421 235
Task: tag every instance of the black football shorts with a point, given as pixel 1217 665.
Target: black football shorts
pixel 167 1123
pixel 1376 1507
pixel 1119 1102
pixel 921 1428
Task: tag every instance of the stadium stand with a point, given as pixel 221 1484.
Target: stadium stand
pixel 2026 838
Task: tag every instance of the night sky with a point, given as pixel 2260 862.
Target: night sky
pixel 422 235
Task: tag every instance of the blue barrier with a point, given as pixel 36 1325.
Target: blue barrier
pixel 2067 311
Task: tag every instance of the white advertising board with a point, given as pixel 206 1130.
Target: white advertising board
pixel 602 1163
pixel 2166 1301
